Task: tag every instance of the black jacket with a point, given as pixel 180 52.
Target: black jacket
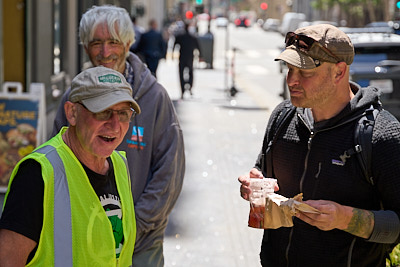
pixel 305 159
pixel 187 44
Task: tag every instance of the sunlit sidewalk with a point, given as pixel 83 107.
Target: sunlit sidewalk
pixel 208 226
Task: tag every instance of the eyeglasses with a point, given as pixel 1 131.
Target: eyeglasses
pixel 124 115
pixel 305 43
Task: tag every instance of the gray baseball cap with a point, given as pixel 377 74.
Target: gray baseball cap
pixel 99 88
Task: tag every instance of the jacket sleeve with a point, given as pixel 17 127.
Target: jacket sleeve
pixel 385 170
pixel 167 171
pixel 60 119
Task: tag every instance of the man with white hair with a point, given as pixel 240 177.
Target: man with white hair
pixel 154 143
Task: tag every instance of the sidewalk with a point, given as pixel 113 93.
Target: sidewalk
pixel 208 226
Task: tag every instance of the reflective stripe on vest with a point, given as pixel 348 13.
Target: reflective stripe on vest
pixel 62 209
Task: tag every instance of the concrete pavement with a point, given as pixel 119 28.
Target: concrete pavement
pixel 223 135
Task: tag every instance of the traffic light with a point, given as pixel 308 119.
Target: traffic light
pixel 189 14
pixel 397 4
pixel 199 2
pixel 264 6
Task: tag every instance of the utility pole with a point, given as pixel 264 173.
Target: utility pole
pixel 227 46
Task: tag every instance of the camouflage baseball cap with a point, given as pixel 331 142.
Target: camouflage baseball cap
pixel 99 88
pixel 307 47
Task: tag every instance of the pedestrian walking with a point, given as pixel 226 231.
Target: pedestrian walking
pixel 154 143
pixel 187 44
pixel 152 46
pixel 314 153
pixel 138 34
pixel 69 202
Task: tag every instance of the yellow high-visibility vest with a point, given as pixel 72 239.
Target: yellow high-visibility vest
pixel 76 230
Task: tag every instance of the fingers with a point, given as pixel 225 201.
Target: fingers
pixel 321 221
pixel 245 182
pixel 254 173
pixel 245 192
pixel 244 187
pixel 276 188
pixel 328 219
pixel 244 179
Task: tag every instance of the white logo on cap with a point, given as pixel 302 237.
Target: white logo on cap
pixel 110 78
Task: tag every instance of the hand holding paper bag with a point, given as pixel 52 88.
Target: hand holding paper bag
pixel 279 211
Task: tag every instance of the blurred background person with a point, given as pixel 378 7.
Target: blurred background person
pixel 138 34
pixel 152 47
pixel 187 44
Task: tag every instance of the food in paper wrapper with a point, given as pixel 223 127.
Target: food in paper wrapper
pixel 279 211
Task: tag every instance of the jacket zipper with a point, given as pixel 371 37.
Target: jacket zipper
pixel 312 135
pixel 349 256
pixel 310 138
pixel 288 247
pixel 316 179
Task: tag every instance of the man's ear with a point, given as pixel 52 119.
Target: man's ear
pixel 70 112
pixel 127 46
pixel 340 71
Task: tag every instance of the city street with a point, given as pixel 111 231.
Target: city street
pixel 223 135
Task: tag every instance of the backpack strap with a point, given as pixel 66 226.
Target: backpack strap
pixel 363 139
pixel 275 129
pixel 363 142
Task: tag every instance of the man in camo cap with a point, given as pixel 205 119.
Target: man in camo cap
pixel 314 153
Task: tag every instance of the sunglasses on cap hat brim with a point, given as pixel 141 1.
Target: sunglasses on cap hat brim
pixel 305 43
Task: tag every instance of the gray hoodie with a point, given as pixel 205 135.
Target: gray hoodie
pixel 155 151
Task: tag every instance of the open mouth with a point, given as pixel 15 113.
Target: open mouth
pixel 107 138
pixel 106 61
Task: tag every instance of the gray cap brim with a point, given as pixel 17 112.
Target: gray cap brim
pixel 107 100
pixel 296 58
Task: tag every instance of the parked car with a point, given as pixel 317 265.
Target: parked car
pixel 315 22
pixel 221 22
pixel 242 21
pixel 391 25
pixel 291 21
pixel 271 25
pixel 376 63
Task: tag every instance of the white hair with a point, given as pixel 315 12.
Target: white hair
pixel 117 19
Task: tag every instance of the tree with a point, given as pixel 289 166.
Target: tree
pixel 357 12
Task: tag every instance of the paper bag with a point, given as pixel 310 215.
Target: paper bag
pixel 277 211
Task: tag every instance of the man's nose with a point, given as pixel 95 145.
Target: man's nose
pixel 292 78
pixel 113 122
pixel 105 50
